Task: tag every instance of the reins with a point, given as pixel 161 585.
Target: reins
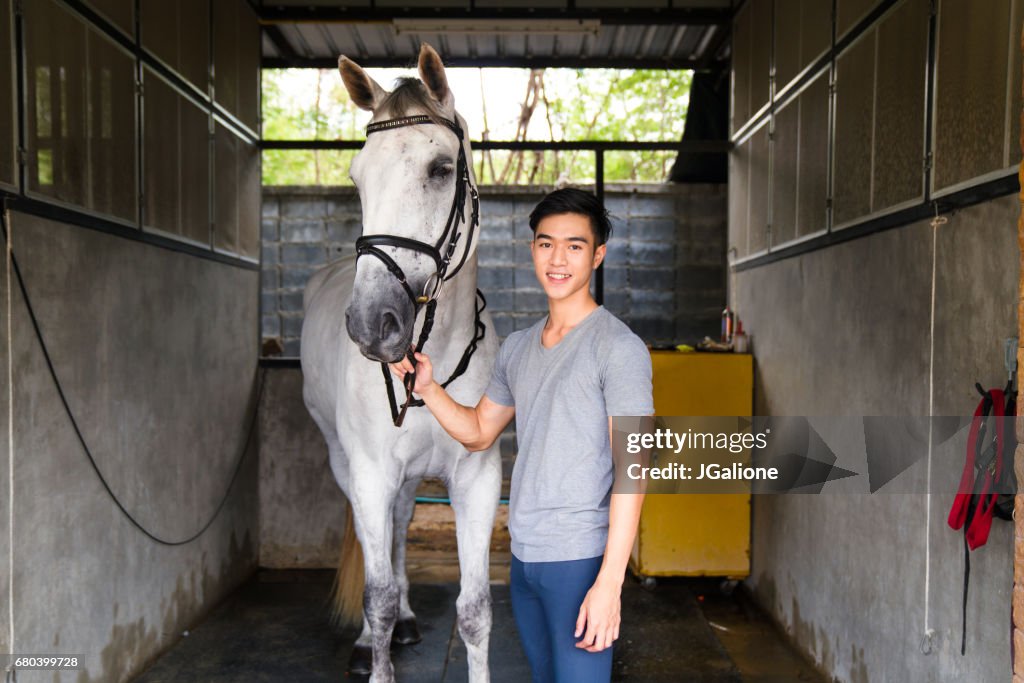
pixel 440 252
pixel 398 414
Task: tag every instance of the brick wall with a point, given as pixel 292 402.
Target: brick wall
pixel 664 273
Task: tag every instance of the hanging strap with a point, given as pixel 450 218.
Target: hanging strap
pixel 961 502
pixel 976 496
pixel 963 604
pixel 980 524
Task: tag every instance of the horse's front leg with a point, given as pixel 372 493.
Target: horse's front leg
pixel 474 493
pixel 372 503
pixel 406 631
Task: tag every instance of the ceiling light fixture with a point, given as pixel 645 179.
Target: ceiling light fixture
pixel 497 26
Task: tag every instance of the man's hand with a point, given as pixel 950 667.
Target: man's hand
pixel 424 371
pixel 599 613
pixel 475 428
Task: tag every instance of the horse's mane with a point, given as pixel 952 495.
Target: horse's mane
pixel 410 94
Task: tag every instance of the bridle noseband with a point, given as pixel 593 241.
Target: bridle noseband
pixel 440 252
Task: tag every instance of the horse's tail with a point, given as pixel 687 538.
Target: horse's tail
pixel 347 595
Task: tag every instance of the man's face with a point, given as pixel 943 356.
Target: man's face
pixel 564 255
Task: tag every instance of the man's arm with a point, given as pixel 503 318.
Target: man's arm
pixel 475 428
pixel 600 611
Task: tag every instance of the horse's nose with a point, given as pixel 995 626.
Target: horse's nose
pixel 379 330
pixel 390 328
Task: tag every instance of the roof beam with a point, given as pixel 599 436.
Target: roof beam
pixel 536 62
pixel 687 146
pixel 607 16
pixel 284 48
pixel 711 50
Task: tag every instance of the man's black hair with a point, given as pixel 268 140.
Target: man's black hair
pixel 571 200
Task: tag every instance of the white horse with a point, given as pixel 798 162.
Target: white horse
pixel 417 189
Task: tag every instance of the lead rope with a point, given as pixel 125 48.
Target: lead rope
pixel 409 381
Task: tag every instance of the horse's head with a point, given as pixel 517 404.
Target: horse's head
pixel 408 177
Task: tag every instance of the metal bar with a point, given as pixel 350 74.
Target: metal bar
pixel 929 101
pixel 599 191
pixel 830 132
pixel 982 192
pixel 607 17
pixel 211 144
pixel 863 25
pixel 535 62
pixel 140 124
pixel 43 209
pixel 21 95
pixel 687 146
pixel 811 71
pixel 104 26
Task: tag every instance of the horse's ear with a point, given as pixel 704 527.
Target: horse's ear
pixel 432 75
pixel 363 90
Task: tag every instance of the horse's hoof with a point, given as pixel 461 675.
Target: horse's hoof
pixel 360 662
pixel 405 632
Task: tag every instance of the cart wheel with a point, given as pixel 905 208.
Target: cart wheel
pixel 649 583
pixel 728 586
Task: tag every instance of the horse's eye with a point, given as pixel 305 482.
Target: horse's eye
pixel 441 170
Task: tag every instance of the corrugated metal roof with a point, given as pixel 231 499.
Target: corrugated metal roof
pixel 551 33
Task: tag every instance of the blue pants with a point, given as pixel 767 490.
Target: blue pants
pixel 546 599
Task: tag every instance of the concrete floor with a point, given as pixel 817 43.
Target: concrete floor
pixel 275 628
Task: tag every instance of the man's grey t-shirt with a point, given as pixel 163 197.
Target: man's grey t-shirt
pixel 563 396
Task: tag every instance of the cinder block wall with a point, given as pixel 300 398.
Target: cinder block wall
pixel 664 273
pixel 665 276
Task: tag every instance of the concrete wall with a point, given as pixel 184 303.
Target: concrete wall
pixel 301 508
pixel 664 273
pixel 150 318
pixel 157 356
pixel 843 329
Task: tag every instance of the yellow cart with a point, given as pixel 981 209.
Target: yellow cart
pixel 697 534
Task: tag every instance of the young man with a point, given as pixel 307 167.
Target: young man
pixel 563 379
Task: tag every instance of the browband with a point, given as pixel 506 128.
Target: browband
pixel 412 121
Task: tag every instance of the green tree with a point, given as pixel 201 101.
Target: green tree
pixel 583 104
pixel 324 112
pixel 621 105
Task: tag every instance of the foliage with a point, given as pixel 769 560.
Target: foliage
pixel 572 105
pixel 330 115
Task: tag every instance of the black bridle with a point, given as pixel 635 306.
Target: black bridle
pixel 440 252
